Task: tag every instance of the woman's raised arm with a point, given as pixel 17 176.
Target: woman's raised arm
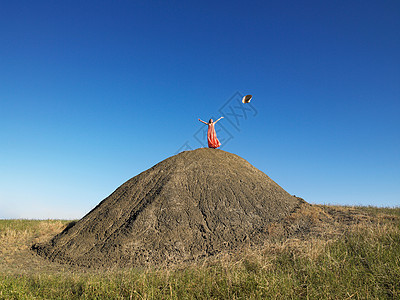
pixel 218 120
pixel 203 122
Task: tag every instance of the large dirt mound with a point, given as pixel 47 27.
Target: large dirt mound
pixel 192 205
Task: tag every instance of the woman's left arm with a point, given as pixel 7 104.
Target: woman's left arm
pixel 218 120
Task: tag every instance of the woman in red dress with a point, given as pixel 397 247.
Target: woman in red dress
pixel 211 135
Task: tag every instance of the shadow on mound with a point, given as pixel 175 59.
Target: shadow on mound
pixel 192 205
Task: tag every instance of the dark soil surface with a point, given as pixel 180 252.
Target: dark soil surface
pixel 195 204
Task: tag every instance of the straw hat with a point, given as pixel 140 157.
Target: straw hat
pixel 247 98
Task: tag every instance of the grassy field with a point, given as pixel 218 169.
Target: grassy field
pixel 356 255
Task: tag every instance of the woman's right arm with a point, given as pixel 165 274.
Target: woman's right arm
pixel 203 122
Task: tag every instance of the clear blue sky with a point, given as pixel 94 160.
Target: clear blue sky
pixel 94 92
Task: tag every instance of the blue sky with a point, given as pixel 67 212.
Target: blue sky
pixel 94 92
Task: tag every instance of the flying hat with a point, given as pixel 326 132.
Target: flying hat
pixel 247 98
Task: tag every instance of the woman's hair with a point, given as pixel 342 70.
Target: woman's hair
pixel 211 120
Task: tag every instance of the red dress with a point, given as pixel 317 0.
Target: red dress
pixel 212 137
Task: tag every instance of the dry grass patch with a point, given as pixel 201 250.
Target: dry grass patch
pixel 16 239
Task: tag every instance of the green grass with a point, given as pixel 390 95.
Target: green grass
pixel 362 263
pixel 394 211
pixel 25 224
